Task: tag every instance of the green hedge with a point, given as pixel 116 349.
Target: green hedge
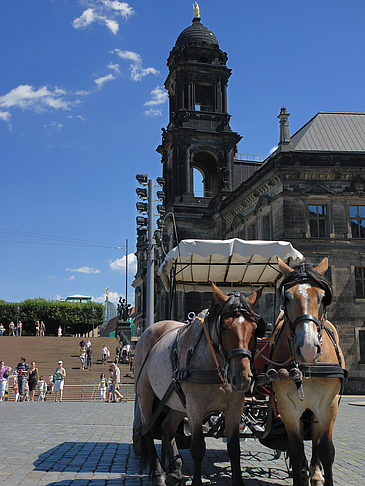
pixel 75 318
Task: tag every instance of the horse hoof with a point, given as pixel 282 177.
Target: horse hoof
pixel 317 482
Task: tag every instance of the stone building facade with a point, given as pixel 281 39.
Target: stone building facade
pixel 310 191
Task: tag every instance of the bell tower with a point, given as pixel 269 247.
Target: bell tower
pixel 198 145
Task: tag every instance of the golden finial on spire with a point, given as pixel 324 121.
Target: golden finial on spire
pixel 107 292
pixel 196 10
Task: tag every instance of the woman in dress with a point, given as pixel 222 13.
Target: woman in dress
pixel 4 375
pixel 59 380
pixel 32 380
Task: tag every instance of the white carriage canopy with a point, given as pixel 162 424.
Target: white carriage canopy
pixel 194 264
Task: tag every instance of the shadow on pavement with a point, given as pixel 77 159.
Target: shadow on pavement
pixel 103 458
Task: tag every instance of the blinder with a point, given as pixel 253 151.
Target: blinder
pixel 237 305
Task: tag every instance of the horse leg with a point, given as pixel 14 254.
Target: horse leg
pixel 149 455
pixel 297 459
pixel 169 428
pixel 232 419
pixel 315 472
pixel 197 447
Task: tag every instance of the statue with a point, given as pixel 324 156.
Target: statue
pixel 123 309
pixel 196 10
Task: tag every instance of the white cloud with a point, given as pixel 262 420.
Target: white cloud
pixel 158 97
pixel 83 270
pixel 72 277
pixel 52 277
pixel 136 68
pixel 103 79
pixel 107 12
pixel 119 264
pixel 79 117
pixel 87 18
pixel 5 116
pixel 53 124
pixel 153 112
pixel 26 97
pixel 114 67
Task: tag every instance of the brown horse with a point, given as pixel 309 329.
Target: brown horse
pixel 233 326
pixel 306 346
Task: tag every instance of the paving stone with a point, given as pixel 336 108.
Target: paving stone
pixel 90 444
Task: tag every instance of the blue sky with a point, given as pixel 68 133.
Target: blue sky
pixel 82 105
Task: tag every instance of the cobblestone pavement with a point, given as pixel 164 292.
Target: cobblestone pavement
pixel 90 444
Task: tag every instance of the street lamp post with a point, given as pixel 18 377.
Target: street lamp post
pixel 93 311
pixel 17 319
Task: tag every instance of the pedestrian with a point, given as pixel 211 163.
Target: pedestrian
pixel 42 329
pixel 36 328
pixel 50 386
pixel 15 387
pixel 2 329
pixel 82 346
pixel 116 382
pixel 104 354
pixel 89 357
pixel 128 348
pixel 42 389
pixel 59 378
pixel 33 379
pixel 59 332
pixel 22 374
pixel 4 376
pixel 103 385
pixel 11 329
pixel 110 385
pixel 20 327
pixel 88 344
pixel 82 359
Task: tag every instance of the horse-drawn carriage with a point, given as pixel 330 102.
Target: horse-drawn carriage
pixel 217 368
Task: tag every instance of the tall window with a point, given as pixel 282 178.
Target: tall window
pixel 318 220
pixel 360 281
pixel 251 231
pixel 266 227
pixel 357 219
pixel 362 345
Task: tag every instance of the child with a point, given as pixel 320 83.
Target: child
pixel 82 359
pixel 110 386
pixel 103 385
pixel 42 388
pixel 50 386
pixel 16 389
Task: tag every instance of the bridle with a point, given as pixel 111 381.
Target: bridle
pixel 303 276
pixel 235 307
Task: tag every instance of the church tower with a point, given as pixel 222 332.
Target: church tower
pixel 198 145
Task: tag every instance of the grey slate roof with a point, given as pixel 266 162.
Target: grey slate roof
pixel 331 132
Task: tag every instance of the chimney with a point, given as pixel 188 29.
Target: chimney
pixel 284 128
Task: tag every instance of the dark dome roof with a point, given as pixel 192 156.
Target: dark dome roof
pixel 197 34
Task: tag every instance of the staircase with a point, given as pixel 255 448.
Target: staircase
pixel 47 351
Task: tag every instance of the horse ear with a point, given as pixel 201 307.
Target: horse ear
pixel 253 298
pixel 323 266
pixel 284 268
pixel 220 297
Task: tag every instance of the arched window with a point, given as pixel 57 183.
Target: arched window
pixel 204 170
pixel 198 183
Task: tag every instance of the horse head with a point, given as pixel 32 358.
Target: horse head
pixel 236 328
pixel 305 294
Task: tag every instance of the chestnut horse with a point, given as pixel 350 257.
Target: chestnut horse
pixel 306 349
pixel 233 326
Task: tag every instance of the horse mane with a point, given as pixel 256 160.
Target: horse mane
pixel 303 272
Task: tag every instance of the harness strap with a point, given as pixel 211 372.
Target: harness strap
pixel 206 332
